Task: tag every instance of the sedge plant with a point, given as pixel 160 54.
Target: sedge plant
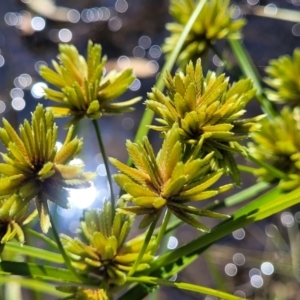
pixel 204 135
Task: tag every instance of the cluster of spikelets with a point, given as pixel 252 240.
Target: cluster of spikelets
pixel 168 180
pixel 284 74
pixel 34 168
pixel 83 88
pixel 278 143
pixel 278 140
pixel 102 250
pixel 13 215
pixel 80 293
pixel 206 107
pixel 213 23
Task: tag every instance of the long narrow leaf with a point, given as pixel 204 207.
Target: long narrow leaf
pixel 37 271
pixel 33 284
pixel 35 252
pixel 184 286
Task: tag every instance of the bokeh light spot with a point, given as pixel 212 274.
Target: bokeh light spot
pixel 144 42
pixel 136 85
pixel 155 51
pixel 296 30
pixel 38 65
pixel 238 259
pixel 114 24
pixel 231 269
pixel 73 15
pixel 287 219
pixel 2 61
pixel 254 271
pixel 138 52
pixel 271 230
pixel 239 234
pixel 217 61
pixel 16 92
pixel 2 106
pixel 123 62
pixel 121 6
pixel 37 90
pixel 101 170
pixel 38 23
pixel 172 243
pixel 152 66
pixel 65 35
pixel 253 2
pixel 240 293
pixel 270 9
pixel 257 281
pixel 18 103
pixel 267 268
pixel 11 19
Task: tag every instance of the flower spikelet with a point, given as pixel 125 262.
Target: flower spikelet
pixel 83 90
pixel 284 74
pixel 102 249
pixel 168 181
pixel 13 215
pixel 213 23
pixel 33 168
pixel 206 107
pixel 82 293
pixel 278 144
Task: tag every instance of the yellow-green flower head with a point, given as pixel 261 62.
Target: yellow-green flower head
pixel 284 78
pixel 33 168
pixel 82 293
pixel 213 23
pixel 168 181
pixel 13 215
pixel 102 249
pixel 206 107
pixel 83 90
pixel 278 144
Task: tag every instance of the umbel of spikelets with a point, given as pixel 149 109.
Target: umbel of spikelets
pixel 13 215
pixel 102 248
pixel 278 144
pixel 209 108
pixel 82 89
pixel 168 180
pixel 34 168
pixel 284 74
pixel 214 23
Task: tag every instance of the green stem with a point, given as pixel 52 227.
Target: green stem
pixel 149 114
pixel 106 164
pixel 246 169
pixel 162 230
pixel 145 245
pixel 250 71
pixel 63 252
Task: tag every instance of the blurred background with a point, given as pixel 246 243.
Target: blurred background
pixel 261 261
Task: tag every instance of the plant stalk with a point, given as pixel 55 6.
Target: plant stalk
pixel 162 230
pixel 145 245
pixel 106 164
